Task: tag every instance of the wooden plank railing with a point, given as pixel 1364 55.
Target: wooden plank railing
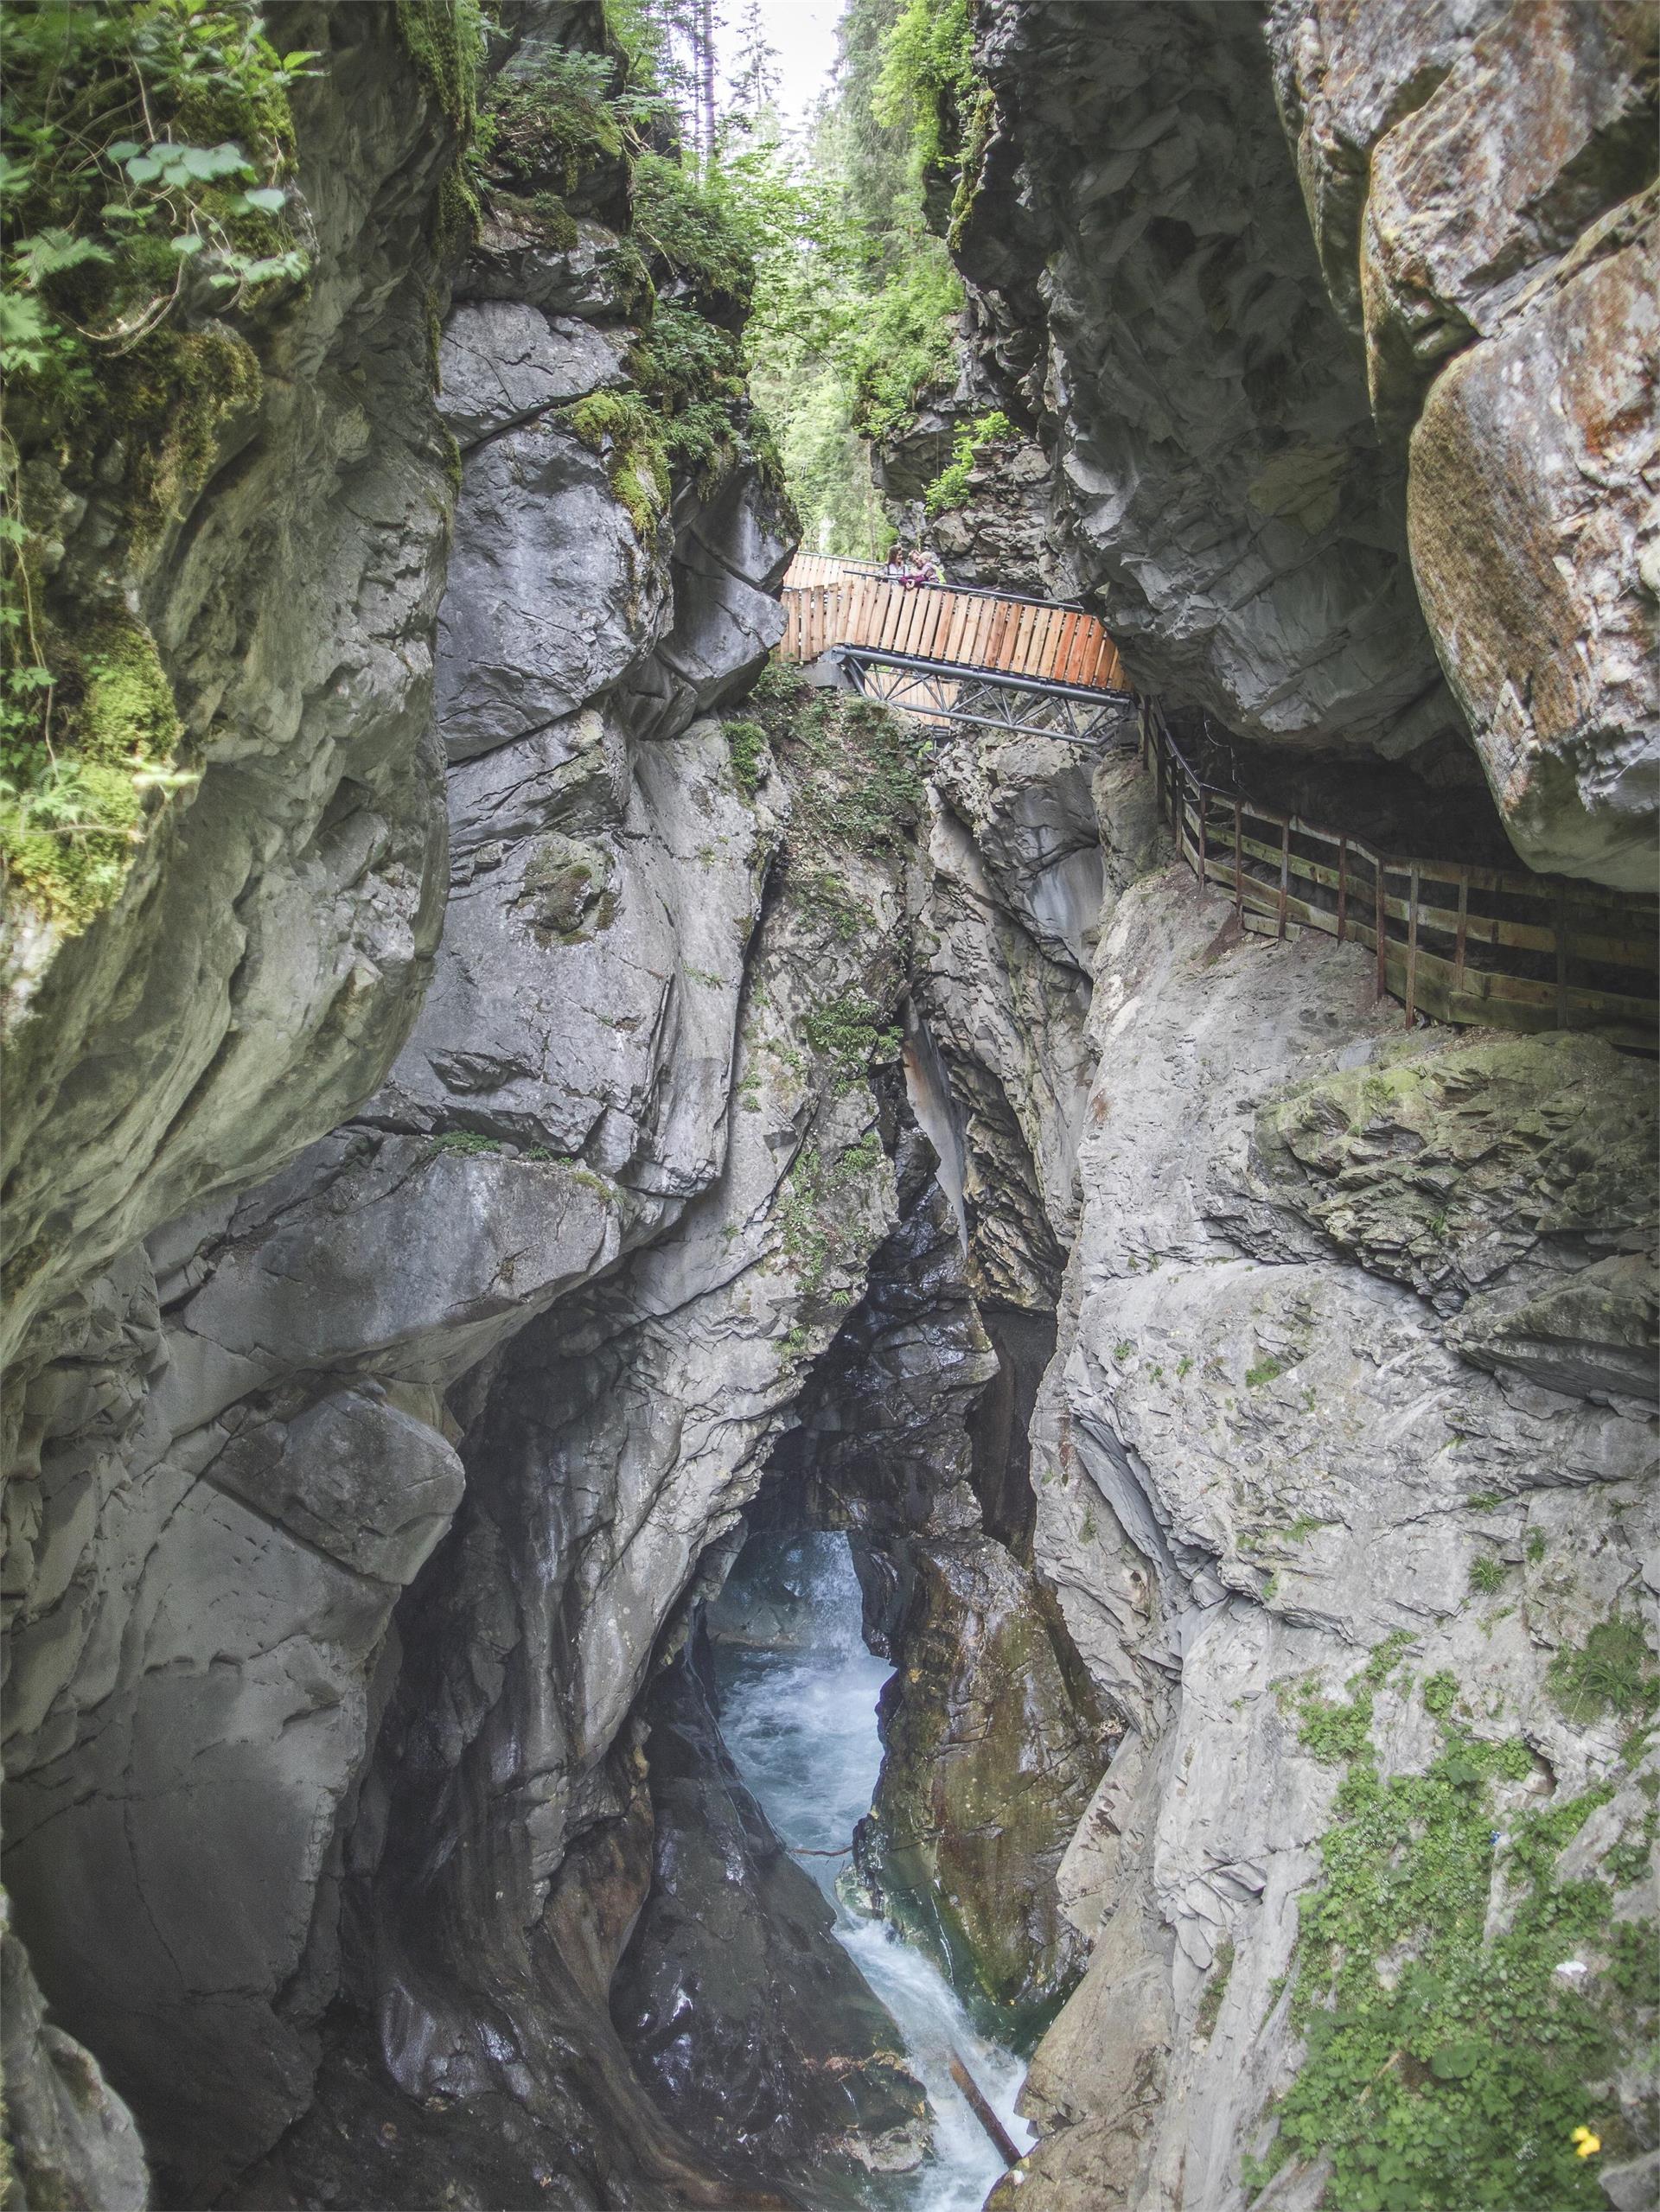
pixel 1497 947
pixel 953 626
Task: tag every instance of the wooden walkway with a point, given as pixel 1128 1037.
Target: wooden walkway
pixel 831 603
pixel 1494 947
pixel 1498 949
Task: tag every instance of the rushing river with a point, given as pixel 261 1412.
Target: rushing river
pixel 800 1726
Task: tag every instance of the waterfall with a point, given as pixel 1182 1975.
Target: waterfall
pixel 799 1720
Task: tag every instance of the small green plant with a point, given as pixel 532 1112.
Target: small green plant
pixel 1446 2066
pixel 466 1142
pixel 1613 1671
pixel 1386 1657
pixel 1185 1366
pixel 1441 1693
pixel 1304 1527
pixel 1264 1372
pixel 144 192
pixel 1483 1501
pixel 1214 1990
pixel 1122 1349
pixel 1487 1574
pixel 747 743
pixel 1536 1545
pixel 850 1032
pixel 950 487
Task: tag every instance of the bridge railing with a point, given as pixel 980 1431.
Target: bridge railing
pixel 1460 943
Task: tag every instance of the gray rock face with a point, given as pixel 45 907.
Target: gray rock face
pixel 70 2140
pixel 981 1787
pixel 502 361
pixel 1152 289
pixel 259 971
pixel 224 1491
pixel 355 1514
pixel 551 595
pixel 1480 180
pixel 1258 1453
pixel 1228 483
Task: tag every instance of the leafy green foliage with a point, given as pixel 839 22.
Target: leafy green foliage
pixel 1264 1372
pixel 849 1031
pixel 950 487
pixel 926 80
pixel 147 146
pixel 1487 1574
pixel 857 303
pixel 696 231
pixel 1446 2066
pixel 859 778
pixel 467 1143
pixel 547 127
pixel 819 1235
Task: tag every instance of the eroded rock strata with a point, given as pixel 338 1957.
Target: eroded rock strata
pixel 795 1126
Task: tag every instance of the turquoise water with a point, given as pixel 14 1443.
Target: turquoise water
pixel 801 1727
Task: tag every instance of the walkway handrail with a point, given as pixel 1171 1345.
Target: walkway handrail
pixel 829 568
pixel 1576 955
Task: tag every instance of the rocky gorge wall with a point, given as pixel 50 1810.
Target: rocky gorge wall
pixel 801 1129
pixel 1314 422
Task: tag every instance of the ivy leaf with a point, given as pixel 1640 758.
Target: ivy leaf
pixel 144 168
pixel 123 150
pixel 270 199
pixel 190 242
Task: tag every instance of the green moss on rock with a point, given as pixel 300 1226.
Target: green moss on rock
pixel 1448 2061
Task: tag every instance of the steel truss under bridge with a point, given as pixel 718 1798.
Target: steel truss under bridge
pixel 987 700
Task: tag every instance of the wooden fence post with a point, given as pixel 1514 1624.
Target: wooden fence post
pixel 1284 870
pixel 1239 864
pixel 1342 885
pixel 1382 927
pixel 1464 929
pixel 1412 945
pixel 1561 957
pixel 1198 801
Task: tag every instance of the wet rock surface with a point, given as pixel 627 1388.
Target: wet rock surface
pixel 1481 183
pixel 752 2025
pixel 990 1760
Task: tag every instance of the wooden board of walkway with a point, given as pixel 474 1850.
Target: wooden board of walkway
pixel 829 602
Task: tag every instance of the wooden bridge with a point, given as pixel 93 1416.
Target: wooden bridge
pixel 1499 948
pixel 956 654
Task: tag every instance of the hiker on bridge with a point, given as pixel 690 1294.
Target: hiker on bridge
pixel 917 569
